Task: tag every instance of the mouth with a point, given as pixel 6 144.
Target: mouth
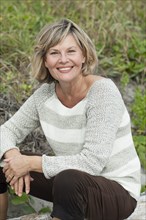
pixel 65 69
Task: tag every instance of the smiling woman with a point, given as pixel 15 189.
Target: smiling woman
pixel 64 61
pixel 53 35
pixel 95 171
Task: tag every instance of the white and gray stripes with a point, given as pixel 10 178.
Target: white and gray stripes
pixel 94 136
pixel 63 127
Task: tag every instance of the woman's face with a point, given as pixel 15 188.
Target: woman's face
pixel 64 61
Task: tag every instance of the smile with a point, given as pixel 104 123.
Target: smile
pixel 65 69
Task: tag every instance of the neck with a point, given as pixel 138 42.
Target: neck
pixel 72 93
pixel 73 88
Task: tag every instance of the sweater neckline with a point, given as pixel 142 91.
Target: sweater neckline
pixel 80 102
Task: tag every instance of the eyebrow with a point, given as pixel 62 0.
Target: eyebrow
pixel 72 47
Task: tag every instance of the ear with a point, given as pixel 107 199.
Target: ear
pixel 46 64
pixel 84 59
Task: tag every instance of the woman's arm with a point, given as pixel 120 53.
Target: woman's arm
pixel 20 165
pixel 19 183
pixel 11 153
pixel 18 127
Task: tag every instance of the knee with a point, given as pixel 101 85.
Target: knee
pixel 67 198
pixel 67 180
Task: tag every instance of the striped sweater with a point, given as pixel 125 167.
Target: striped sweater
pixel 94 136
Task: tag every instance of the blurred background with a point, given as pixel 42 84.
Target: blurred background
pixel 118 30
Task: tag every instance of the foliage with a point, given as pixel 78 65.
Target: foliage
pixel 27 200
pixel 139 122
pixel 140 144
pixel 24 199
pixel 45 210
pixel 117 30
pixel 143 188
pixel 139 111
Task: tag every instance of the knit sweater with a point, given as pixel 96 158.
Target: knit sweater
pixel 93 136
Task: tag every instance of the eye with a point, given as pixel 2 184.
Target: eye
pixel 71 51
pixel 54 53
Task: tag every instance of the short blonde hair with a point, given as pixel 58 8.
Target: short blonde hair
pixel 50 36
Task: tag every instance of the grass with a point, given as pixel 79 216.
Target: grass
pixel 117 30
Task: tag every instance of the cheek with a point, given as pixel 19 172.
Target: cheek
pixel 49 63
pixel 80 60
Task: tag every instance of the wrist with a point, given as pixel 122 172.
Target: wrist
pixel 35 163
pixel 11 153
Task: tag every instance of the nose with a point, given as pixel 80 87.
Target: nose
pixel 63 58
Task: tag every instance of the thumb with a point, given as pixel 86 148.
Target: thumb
pixel 7 160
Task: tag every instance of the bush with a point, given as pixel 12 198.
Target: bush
pixel 117 30
pixel 139 121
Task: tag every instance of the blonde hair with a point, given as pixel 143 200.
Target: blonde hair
pixel 50 36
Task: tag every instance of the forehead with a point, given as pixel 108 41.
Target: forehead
pixel 67 42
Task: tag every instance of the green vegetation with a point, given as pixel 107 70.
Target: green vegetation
pixel 116 27
pixel 117 30
pixel 27 201
pixel 139 122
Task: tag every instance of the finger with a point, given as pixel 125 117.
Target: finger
pixel 5 168
pixel 27 183
pixel 9 176
pixel 20 186
pixel 16 188
pixel 7 172
pixel 13 180
pixel 8 159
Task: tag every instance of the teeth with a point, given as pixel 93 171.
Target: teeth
pixel 65 68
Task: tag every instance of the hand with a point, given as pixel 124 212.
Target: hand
pixel 16 167
pixel 11 153
pixel 20 183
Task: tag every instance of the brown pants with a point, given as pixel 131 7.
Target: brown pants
pixel 77 195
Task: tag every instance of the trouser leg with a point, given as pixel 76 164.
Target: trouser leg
pixel 3 196
pixel 41 187
pixel 69 200
pixel 77 195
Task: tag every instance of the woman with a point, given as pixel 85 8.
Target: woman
pixel 95 173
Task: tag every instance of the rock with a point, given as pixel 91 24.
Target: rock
pixel 33 217
pixel 139 213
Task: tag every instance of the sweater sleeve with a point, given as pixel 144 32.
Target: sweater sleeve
pixel 18 126
pixel 104 112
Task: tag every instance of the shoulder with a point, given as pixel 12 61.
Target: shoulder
pixel 45 88
pixel 44 92
pixel 104 86
pixel 104 90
